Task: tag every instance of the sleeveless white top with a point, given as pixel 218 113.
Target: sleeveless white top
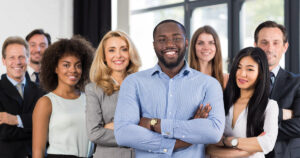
pixel 67 126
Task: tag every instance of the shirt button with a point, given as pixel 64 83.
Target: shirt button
pixel 149 151
pixel 171 95
pixel 165 150
pixel 183 136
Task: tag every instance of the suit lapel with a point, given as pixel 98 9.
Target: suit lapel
pixel 279 84
pixel 10 90
pixel 29 94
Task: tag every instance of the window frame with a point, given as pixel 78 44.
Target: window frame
pixel 291 21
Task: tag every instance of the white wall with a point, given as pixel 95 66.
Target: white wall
pixel 19 17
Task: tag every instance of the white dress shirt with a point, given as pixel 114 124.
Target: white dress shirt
pixel 276 70
pixel 31 73
pixel 266 141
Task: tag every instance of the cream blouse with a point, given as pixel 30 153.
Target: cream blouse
pixel 267 141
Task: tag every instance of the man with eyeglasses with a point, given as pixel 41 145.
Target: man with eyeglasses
pixel 159 111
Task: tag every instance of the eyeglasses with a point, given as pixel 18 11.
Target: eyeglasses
pixel 166 40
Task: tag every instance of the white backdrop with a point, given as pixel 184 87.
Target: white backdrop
pixel 19 17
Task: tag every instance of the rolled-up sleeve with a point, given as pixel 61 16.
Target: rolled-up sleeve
pixel 200 131
pixel 267 141
pixel 127 116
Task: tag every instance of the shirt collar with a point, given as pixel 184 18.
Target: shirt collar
pixel 184 71
pixel 30 70
pixel 15 82
pixel 276 70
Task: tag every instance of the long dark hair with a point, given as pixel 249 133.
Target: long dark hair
pixel 259 100
pixel 217 69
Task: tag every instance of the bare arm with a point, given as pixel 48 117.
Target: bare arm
pixel 247 144
pixel 224 152
pixel 41 118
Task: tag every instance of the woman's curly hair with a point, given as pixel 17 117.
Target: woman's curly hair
pixel 76 46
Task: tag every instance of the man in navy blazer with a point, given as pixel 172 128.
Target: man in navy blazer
pixel 18 96
pixel 272 38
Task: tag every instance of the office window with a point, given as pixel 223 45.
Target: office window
pixel 141 30
pixel 142 4
pixel 215 16
pixel 255 12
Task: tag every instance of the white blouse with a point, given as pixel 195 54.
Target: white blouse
pixel 267 141
pixel 67 127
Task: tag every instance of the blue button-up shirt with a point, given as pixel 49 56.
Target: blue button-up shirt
pixel 151 93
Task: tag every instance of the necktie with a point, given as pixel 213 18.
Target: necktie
pixel 20 89
pixel 272 80
pixel 37 80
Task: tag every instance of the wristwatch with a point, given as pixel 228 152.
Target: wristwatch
pixel 234 142
pixel 153 122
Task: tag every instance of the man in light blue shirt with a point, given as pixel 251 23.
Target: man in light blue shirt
pixel 156 108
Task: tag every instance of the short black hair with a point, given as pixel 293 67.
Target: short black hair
pixel 171 21
pixel 39 32
pixel 271 24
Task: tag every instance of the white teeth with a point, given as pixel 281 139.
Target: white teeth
pixel 72 77
pixel 205 53
pixel 170 53
pixel 118 62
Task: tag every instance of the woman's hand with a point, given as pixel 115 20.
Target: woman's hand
pixel 109 126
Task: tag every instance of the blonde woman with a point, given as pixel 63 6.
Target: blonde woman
pixel 115 58
pixel 205 54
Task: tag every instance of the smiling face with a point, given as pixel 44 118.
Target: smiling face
pixel 37 46
pixel 205 47
pixel 170 45
pixel 270 39
pixel 116 54
pixel 15 61
pixel 247 73
pixel 68 70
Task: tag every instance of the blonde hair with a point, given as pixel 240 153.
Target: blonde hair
pixel 100 73
pixel 217 69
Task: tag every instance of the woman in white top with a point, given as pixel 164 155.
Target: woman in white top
pixel 251 118
pixel 60 115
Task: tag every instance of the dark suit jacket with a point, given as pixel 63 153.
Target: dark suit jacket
pixel 15 142
pixel 286 91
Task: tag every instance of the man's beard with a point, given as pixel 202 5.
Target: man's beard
pixel 171 65
pixel 35 62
